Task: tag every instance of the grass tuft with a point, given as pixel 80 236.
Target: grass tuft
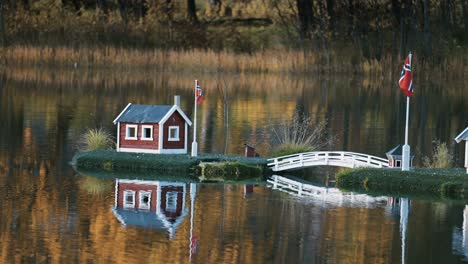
pixel 441 157
pixel 299 135
pixel 95 139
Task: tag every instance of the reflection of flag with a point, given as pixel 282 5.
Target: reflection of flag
pixel 198 93
pixel 194 245
pixel 406 77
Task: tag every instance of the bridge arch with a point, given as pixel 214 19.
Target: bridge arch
pixel 326 158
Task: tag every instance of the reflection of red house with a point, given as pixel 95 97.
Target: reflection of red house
pixel 152 129
pixel 150 204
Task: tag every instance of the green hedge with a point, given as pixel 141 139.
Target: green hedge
pixel 444 183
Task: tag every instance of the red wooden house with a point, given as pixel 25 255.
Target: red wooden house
pixel 150 204
pixel 152 129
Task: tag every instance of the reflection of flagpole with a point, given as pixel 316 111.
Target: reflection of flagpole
pixel 194 143
pixel 193 192
pixel 404 211
pixel 406 148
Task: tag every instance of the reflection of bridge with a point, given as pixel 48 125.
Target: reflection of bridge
pixel 326 158
pixel 327 194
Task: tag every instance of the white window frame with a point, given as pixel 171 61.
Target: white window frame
pixel 171 202
pixel 127 193
pixel 143 134
pixel 142 205
pixel 127 130
pixel 177 128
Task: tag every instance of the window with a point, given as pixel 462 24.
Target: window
pixel 398 163
pixel 145 199
pixel 129 199
pixel 173 133
pixel 147 133
pixel 171 202
pixel 131 132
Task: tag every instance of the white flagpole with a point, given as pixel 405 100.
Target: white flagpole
pixel 194 143
pixel 406 148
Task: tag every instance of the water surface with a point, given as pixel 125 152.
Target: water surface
pixel 52 214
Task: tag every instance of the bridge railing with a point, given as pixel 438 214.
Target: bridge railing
pixel 332 158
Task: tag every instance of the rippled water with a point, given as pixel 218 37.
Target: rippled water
pixel 52 214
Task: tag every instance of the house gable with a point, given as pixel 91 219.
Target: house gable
pixel 462 136
pixel 169 141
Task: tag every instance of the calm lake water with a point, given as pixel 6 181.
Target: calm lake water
pixel 52 214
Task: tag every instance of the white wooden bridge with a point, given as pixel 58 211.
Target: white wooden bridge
pixel 326 158
pixel 323 194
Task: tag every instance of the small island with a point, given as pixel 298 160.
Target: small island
pixel 207 167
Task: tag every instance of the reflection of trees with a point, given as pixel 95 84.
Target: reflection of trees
pixel 365 114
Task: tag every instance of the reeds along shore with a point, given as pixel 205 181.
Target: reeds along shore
pixel 197 60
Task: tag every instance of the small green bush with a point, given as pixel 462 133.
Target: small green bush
pixel 95 139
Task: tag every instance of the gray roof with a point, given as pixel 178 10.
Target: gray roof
pixel 397 151
pixel 462 136
pixel 148 220
pixel 145 219
pixel 137 113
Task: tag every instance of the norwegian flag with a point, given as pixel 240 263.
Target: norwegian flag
pixel 198 93
pixel 406 77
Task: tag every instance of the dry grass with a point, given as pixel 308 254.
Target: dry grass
pixel 441 157
pixel 196 60
pixel 95 139
pixel 299 135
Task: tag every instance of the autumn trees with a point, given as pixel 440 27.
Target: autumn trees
pixel 372 27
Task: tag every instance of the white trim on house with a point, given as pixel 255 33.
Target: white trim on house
pixel 173 151
pixel 161 136
pixel 154 151
pixel 118 137
pixel 116 193
pixel 126 132
pixel 143 134
pixel 171 111
pixel 139 150
pixel 462 136
pixel 141 204
pixel 186 138
pixel 177 134
pixel 138 182
pixel 121 113
pixel 466 156
pixel 125 203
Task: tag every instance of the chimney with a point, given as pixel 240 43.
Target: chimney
pixel 177 100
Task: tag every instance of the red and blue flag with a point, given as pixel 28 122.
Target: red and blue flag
pixel 406 77
pixel 198 93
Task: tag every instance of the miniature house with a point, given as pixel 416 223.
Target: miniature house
pixel 464 136
pixel 395 157
pixel 150 204
pixel 152 129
